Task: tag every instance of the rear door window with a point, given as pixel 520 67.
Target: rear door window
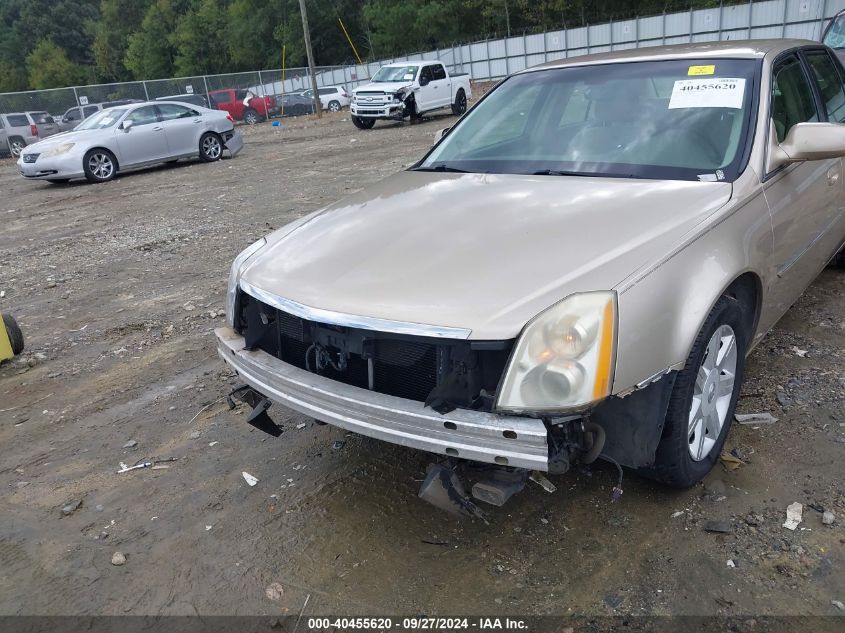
pixel 792 97
pixel 438 71
pixel 170 111
pixel 830 85
pixel 18 120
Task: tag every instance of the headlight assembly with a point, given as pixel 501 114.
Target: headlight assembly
pixel 564 358
pixel 58 150
pixel 235 276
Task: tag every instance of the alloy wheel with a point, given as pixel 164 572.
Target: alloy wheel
pixel 17 148
pixel 462 103
pixel 712 394
pixel 101 165
pixel 334 106
pixel 251 118
pixel 211 147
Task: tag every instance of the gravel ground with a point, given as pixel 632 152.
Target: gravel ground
pixel 118 288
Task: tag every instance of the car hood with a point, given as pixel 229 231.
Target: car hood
pixel 387 86
pixel 478 251
pixel 72 136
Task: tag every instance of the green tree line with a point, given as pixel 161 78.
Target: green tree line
pixel 55 43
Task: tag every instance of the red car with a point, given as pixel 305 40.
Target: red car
pixel 249 110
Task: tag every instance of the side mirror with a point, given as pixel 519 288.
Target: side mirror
pixel 126 126
pixel 440 134
pixel 807 141
pixel 424 80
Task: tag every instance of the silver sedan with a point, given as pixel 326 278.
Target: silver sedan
pixel 128 137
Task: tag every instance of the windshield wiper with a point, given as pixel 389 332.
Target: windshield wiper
pixel 590 174
pixel 559 172
pixel 442 167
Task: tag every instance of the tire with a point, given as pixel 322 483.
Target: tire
pixel 363 124
pixel 211 147
pixel 838 260
pixel 411 105
pixel 99 165
pixel 251 117
pixel 16 145
pixel 460 105
pixel 334 106
pixel 685 433
pixel 15 334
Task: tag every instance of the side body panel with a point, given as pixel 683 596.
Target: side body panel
pixel 675 298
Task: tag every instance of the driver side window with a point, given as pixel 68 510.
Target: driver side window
pixel 143 116
pixel 426 74
pixel 792 98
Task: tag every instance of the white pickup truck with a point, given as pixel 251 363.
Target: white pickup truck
pixel 408 89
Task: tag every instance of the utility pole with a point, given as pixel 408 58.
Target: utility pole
pixel 307 36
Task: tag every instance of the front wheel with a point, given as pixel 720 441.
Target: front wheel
pixel 703 398
pixel 99 165
pixel 211 147
pixel 334 106
pixel 363 124
pixel 460 105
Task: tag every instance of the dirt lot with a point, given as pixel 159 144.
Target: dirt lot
pixel 118 288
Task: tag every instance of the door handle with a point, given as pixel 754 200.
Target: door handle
pixel 832 176
pixel 157 128
pixel 197 120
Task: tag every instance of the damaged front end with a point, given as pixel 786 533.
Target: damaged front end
pixel 396 105
pixel 429 392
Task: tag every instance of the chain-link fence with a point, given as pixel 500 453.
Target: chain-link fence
pixel 209 90
pixel 490 59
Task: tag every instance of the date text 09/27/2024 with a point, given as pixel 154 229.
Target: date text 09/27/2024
pixel 417 623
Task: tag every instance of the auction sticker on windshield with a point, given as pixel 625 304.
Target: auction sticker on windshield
pixel 708 93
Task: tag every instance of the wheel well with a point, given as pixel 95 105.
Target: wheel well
pixel 748 290
pixel 106 149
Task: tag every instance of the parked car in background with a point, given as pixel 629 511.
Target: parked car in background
pixel 5 150
pixel 332 98
pixel 576 270
pixel 44 123
pixel 24 128
pixel 74 116
pixel 242 107
pixel 125 137
pixel 193 99
pixel 408 89
pixel 295 104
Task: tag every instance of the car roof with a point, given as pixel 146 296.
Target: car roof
pixel 733 49
pixel 415 63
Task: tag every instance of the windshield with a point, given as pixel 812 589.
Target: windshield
pixel 101 120
pixel 681 120
pixel 396 73
pixel 835 37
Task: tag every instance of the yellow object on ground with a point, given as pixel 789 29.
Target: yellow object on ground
pixel 11 338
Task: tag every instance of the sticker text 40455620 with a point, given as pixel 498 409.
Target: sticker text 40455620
pixel 726 92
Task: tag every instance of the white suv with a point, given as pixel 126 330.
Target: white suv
pixel 332 98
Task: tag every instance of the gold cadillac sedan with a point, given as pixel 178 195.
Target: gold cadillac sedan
pixel 576 270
